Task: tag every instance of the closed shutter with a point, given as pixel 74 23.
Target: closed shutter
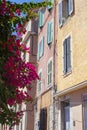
pixel 49 72
pixel 85 116
pixel 60 14
pixel 39 82
pixel 51 118
pixel 49 32
pixel 43 119
pixel 41 18
pixel 64 57
pixel 67 118
pixel 42 46
pixel 38 55
pixel 70 7
pixel 68 55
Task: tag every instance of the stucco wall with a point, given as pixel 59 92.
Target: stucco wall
pixel 76 109
pixel 76 26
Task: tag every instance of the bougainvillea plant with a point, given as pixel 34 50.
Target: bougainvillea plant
pixel 15 74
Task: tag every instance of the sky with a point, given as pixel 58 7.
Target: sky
pixel 21 1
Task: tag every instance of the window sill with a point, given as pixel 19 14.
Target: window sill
pixel 67 74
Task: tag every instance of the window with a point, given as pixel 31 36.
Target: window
pixel 65 115
pixel 41 18
pixel 50 6
pixel 49 32
pixel 67 55
pixel 65 10
pixel 49 72
pixel 40 82
pixel 41 48
pixel 43 119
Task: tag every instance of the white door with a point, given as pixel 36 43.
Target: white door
pixel 67 117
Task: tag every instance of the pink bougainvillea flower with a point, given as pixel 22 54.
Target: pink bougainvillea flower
pixel 18 11
pixel 11 101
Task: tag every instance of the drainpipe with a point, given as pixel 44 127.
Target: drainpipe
pixel 54 52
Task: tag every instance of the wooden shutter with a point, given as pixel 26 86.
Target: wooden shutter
pixel 68 55
pixel 70 7
pixel 38 55
pixel 49 32
pixel 64 57
pixel 41 18
pixel 49 72
pixel 67 117
pixel 39 82
pixel 43 119
pixel 42 46
pixel 60 14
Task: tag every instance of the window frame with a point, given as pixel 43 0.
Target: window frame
pixel 70 9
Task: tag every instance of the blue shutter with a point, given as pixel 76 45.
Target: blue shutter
pixel 68 55
pixel 64 57
pixel 60 14
pixel 70 6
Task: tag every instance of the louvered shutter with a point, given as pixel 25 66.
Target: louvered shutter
pixel 41 18
pixel 70 7
pixel 38 55
pixel 43 119
pixel 68 55
pixel 60 14
pixel 67 118
pixel 49 32
pixel 51 118
pixel 42 46
pixel 64 57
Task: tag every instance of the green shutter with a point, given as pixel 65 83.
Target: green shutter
pixel 41 18
pixel 49 32
pixel 42 46
pixel 38 56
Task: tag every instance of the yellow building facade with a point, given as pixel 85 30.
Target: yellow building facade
pixel 71 95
